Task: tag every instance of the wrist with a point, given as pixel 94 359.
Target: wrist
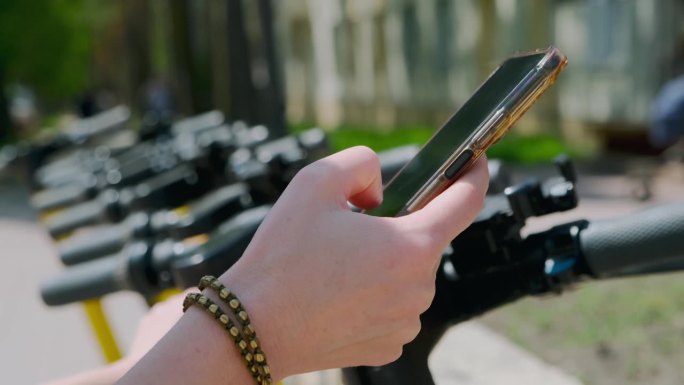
pixel 268 317
pixel 216 339
pixel 196 350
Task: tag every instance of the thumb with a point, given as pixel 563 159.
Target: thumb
pixel 349 175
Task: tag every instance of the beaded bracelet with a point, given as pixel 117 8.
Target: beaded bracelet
pixel 225 321
pixel 235 305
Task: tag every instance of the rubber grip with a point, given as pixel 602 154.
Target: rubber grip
pixel 224 248
pixel 197 123
pixel 87 280
pixel 93 244
pixel 58 196
pixel 74 217
pixel 641 238
pixel 104 122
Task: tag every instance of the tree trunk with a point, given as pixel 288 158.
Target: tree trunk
pixel 182 62
pixel 487 47
pixel 242 93
pixel 137 49
pixel 5 122
pixel 272 93
pixel 199 32
pixel 219 55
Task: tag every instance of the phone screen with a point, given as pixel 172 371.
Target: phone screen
pixel 485 101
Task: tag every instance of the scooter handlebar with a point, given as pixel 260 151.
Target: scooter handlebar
pixel 638 239
pixel 88 280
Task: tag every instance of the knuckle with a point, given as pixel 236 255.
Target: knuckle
pixel 409 330
pixel 394 354
pixel 368 158
pixel 431 239
pixel 314 173
pixel 442 235
pixel 415 304
pixel 422 247
pixel 424 298
pixel 436 237
pixel 368 153
pixel 418 245
pixel 374 358
pixel 412 330
pixel 385 356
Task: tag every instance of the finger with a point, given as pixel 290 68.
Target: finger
pixel 352 174
pixel 453 210
pixel 378 350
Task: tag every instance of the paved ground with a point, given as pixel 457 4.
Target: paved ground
pixel 38 343
pixel 471 354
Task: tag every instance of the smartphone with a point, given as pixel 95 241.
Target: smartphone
pixel 498 103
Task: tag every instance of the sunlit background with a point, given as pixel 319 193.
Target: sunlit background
pixel 379 65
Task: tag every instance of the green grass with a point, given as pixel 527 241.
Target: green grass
pixel 601 312
pixel 530 148
pixel 513 147
pixel 378 140
pixel 637 321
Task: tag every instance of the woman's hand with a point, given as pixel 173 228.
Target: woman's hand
pixel 324 286
pixel 327 287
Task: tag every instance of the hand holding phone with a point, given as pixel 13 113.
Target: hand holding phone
pixel 498 103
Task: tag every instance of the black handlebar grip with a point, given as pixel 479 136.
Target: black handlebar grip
pixel 224 248
pixel 93 244
pixel 74 217
pixel 641 238
pixel 59 196
pixel 102 123
pixel 86 281
pixel 197 123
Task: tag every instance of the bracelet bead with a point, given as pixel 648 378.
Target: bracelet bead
pixel 240 314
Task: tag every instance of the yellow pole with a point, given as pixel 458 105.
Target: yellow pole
pixel 166 294
pixel 103 333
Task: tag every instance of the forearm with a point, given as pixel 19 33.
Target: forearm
pixel 196 350
pixel 101 376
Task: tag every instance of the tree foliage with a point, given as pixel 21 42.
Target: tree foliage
pixel 45 44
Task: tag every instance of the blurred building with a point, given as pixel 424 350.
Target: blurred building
pixel 394 62
pixel 382 63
